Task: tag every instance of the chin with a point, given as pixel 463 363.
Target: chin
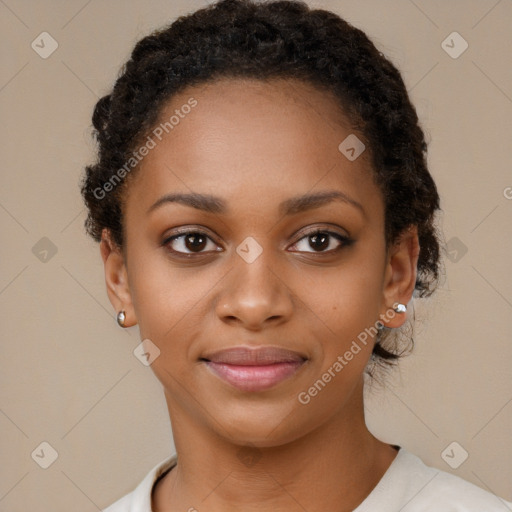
pixel 261 426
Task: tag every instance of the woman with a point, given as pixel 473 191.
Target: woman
pixel 265 215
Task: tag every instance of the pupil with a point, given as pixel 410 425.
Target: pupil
pixel 199 244
pixel 322 238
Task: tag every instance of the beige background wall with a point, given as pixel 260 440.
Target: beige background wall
pixel 68 376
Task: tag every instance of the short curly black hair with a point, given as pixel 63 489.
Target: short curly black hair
pixel 265 40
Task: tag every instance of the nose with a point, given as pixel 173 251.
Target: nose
pixel 255 294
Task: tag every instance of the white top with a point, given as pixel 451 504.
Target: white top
pixel 407 486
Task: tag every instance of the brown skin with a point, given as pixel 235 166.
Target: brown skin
pixel 255 145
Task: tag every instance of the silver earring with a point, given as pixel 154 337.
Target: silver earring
pixel 121 317
pixel 399 308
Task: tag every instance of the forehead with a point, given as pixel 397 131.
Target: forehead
pixel 251 141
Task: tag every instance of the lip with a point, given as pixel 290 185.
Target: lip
pixel 254 369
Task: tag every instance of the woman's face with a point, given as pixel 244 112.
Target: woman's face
pixel 254 274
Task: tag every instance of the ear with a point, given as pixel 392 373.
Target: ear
pixel 116 278
pixel 400 276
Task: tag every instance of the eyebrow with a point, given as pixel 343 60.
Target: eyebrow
pixel 292 206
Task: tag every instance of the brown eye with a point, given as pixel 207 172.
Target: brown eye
pixel 189 243
pixel 319 241
pixel 322 241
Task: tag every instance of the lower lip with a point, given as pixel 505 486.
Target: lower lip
pixel 254 378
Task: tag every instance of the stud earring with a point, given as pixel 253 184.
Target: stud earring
pixel 399 308
pixel 121 317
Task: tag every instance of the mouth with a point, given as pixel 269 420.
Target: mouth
pixel 254 369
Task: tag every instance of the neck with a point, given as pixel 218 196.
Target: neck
pixel 331 468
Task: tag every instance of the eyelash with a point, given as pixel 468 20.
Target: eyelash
pixel 344 241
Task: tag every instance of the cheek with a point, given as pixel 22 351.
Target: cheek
pixel 343 300
pixel 172 305
pixel 161 293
